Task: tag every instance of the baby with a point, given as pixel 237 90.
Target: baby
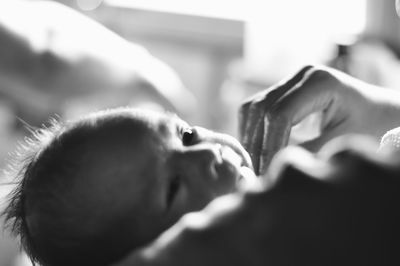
pixel 92 190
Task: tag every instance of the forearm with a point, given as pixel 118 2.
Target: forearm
pixel 20 69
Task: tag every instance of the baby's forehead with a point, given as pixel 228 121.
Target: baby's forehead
pixel 120 127
pixel 137 117
pixel 157 123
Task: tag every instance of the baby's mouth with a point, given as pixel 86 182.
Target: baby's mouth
pixel 244 177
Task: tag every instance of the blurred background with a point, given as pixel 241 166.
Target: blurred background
pixel 197 58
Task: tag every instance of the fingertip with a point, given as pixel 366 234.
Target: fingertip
pixel 307 68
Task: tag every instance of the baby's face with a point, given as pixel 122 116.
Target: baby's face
pixel 172 168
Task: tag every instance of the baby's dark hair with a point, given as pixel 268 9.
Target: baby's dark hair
pixel 50 209
pixel 20 168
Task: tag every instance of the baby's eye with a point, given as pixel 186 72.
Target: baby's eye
pixel 188 136
pixel 173 189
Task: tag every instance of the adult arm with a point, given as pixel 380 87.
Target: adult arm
pixel 52 54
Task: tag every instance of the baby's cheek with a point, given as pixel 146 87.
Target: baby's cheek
pixel 193 198
pixel 228 176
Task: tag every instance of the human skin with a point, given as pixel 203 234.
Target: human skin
pixel 53 56
pixel 171 167
pixel 337 208
pixel 234 216
pixel 348 106
pixel 334 208
pixel 327 209
pixel 295 193
pixel 123 174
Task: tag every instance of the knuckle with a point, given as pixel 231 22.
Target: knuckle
pixel 308 67
pixel 245 105
pixel 272 95
pixel 320 74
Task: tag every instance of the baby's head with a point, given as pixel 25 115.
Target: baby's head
pixel 92 190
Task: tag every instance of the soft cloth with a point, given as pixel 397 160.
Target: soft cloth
pixel 390 141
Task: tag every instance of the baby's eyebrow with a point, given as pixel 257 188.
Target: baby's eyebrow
pixel 168 125
pixel 175 119
pixel 164 127
pixel 180 121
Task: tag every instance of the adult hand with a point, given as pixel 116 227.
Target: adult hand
pixel 347 105
pixel 336 208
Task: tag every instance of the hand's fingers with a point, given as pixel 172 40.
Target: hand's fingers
pixel 255 131
pixel 313 94
pixel 248 119
pixel 268 97
pixel 254 147
pixel 248 112
pixel 252 115
pixel 276 137
pixel 243 118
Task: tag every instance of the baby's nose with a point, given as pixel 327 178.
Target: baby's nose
pixel 197 135
pixel 201 160
pixel 202 134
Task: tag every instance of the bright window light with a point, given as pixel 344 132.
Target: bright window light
pixel 212 8
pixel 281 35
pixel 284 35
pixel 347 16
